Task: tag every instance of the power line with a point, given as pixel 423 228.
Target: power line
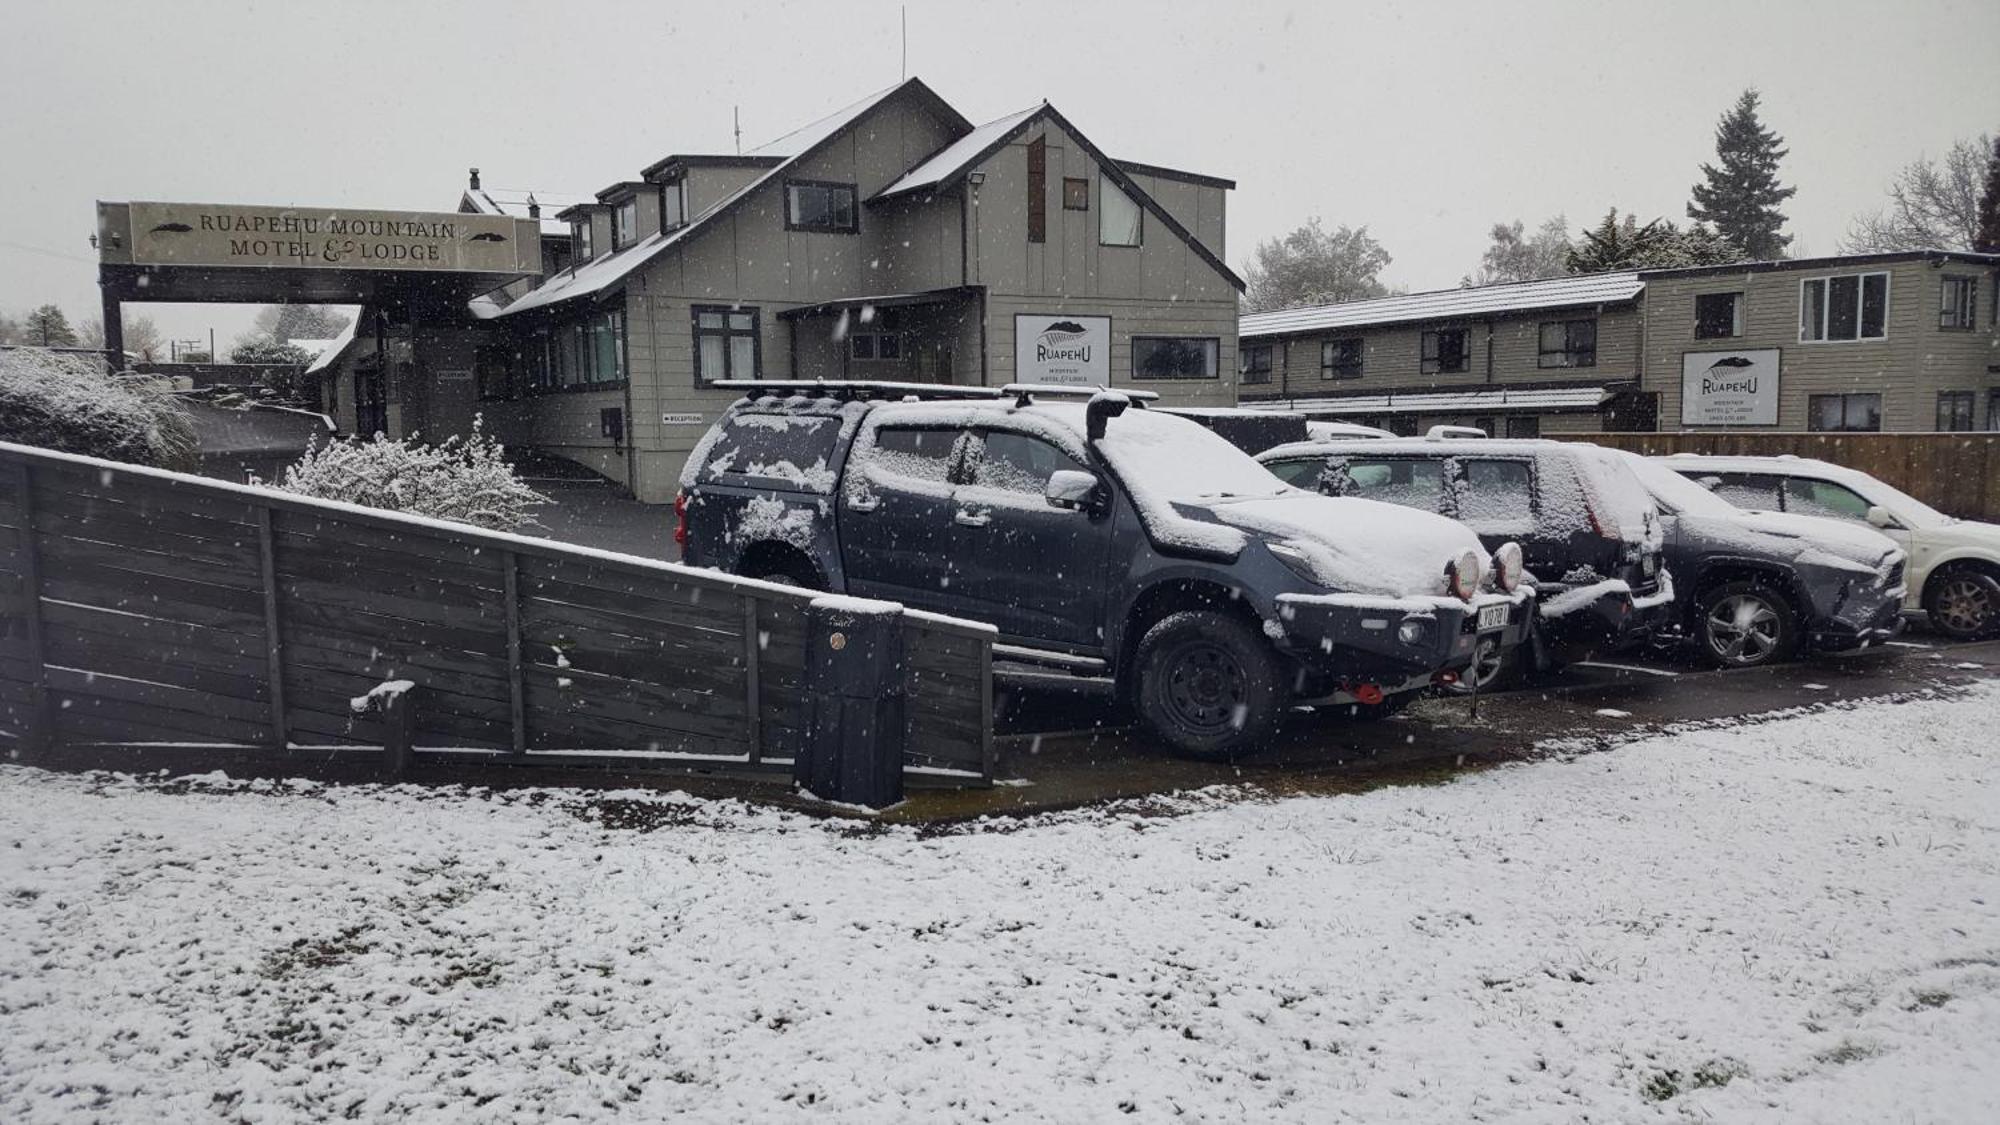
pixel 47 252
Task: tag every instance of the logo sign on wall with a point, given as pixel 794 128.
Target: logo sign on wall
pixel 1729 388
pixel 1064 350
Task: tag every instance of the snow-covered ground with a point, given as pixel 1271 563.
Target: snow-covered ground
pixel 1789 921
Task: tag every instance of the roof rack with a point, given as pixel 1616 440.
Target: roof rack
pixel 1025 393
pixel 856 389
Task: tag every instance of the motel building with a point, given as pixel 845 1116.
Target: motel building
pixel 1883 342
pixel 894 239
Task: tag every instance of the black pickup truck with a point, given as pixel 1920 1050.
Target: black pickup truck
pixel 1100 537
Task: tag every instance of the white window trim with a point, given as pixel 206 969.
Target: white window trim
pixel 1969 309
pixel 1888 299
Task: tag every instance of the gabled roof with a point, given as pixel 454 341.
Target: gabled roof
pixel 1448 304
pixel 672 165
pixel 1165 173
pixel 622 188
pixel 950 164
pixel 514 201
pixel 604 271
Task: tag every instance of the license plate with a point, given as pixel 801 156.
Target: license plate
pixel 1493 617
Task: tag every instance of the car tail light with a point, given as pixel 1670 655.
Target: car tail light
pixel 1596 525
pixel 1507 567
pixel 681 521
pixel 1462 576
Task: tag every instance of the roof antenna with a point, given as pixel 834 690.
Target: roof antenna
pixel 906 42
pixel 736 112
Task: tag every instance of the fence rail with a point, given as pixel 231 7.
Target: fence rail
pixel 142 606
pixel 1958 474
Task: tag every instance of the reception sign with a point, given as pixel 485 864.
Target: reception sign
pixel 1063 350
pixel 1730 388
pixel 209 234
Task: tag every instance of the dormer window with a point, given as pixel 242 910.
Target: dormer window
pixel 579 236
pixel 625 224
pixel 673 205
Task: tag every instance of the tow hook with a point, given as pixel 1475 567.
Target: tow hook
pixel 1368 695
pixel 1445 678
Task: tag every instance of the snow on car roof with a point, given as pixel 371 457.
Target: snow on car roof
pixel 1871 488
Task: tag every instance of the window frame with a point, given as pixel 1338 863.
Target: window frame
pixel 696 333
pixel 972 459
pixel 853 225
pixel 1736 315
pixel 1968 400
pixel 1247 367
pixel 562 356
pixel 580 240
pixel 1570 356
pixel 1430 352
pixel 675 188
pixel 1825 282
pixel 1845 397
pixel 1213 352
pixel 622 233
pixel 1962 315
pixel 1079 184
pixel 1104 210
pixel 1330 371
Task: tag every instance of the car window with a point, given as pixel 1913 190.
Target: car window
pixel 787 450
pixel 1411 483
pixel 1019 463
pixel 917 454
pixel 1495 491
pixel 1823 498
pixel 1304 474
pixel 1745 490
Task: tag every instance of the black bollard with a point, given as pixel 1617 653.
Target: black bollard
pixel 853 750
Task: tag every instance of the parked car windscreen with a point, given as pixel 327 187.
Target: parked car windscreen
pixel 1397 480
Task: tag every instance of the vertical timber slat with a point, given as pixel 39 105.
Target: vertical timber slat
pixel 267 562
pixel 41 719
pixel 986 753
pixel 753 700
pixel 517 701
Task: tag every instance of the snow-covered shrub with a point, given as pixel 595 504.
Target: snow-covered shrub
pixel 68 401
pixel 461 478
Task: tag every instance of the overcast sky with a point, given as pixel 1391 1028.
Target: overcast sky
pixel 1427 122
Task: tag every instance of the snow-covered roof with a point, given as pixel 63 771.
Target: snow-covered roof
pixel 602 272
pixel 332 349
pixel 313 347
pixel 1407 402
pixel 514 201
pixel 955 157
pixel 1448 304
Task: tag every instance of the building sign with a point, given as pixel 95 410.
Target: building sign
pixel 205 234
pixel 683 420
pixel 1729 388
pixel 1063 350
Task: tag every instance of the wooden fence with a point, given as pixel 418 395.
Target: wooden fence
pixel 1958 474
pixel 141 606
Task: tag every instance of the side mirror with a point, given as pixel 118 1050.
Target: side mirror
pixel 1878 516
pixel 1071 490
pixel 1710 483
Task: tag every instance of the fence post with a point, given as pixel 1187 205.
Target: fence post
pixel 853 679
pixel 753 700
pixel 399 732
pixel 41 717
pixel 517 697
pixel 267 561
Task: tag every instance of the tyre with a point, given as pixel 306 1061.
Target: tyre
pixel 782 570
pixel 1208 683
pixel 1964 604
pixel 1746 625
pixel 1492 668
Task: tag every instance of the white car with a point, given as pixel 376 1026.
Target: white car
pixel 1954 567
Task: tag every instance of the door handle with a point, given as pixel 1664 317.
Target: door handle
pixel 969 518
pixel 863 504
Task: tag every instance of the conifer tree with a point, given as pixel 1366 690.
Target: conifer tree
pixel 1741 197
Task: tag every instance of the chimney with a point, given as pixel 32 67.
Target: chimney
pixel 475 179
pixel 534 208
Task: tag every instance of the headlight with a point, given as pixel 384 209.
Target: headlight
pixel 1462 577
pixel 1413 631
pixel 1507 567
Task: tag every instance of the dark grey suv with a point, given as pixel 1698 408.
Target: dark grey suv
pixel 1101 537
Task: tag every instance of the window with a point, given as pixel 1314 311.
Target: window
pixel 775 450
pixel 579 234
pixel 1019 463
pixel 673 205
pixel 1524 426
pixel 1754 491
pixel 1718 316
pixel 582 354
pixel 1855 307
pixel 1954 410
pixel 1496 496
pixel 1256 366
pixel 1076 194
pixel 1807 497
pixel 875 345
pixel 1955 308
pixel 1175 357
pixel 1038 190
pixel 916 454
pixel 819 206
pixel 1859 413
pixel 493 372
pixel 625 224
pixel 726 344
pixel 1299 474
pixel 1444 351
pixel 1992 408
pixel 1118 218
pixel 1340 359
pixel 1413 484
pixel 1568 343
